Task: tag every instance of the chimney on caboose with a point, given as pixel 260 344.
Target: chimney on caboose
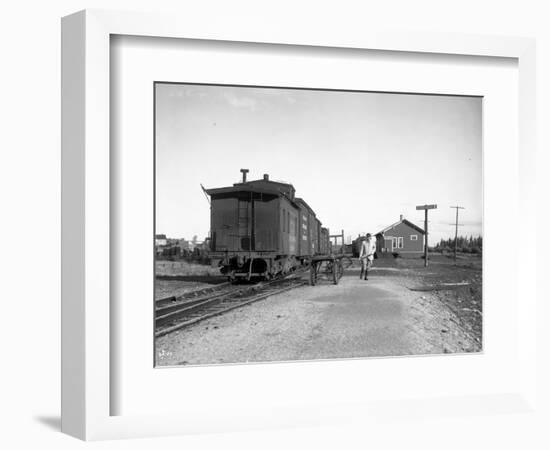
pixel 244 172
pixel 266 177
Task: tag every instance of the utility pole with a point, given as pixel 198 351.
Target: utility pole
pixel 426 208
pixel 456 228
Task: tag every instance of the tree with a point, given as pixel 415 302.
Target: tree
pixel 468 244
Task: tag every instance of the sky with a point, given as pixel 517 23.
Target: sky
pixel 359 159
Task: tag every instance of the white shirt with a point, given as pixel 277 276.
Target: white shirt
pixel 368 247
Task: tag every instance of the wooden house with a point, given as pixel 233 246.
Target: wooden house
pixel 403 237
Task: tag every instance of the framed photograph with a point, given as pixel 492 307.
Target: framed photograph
pixel 269 228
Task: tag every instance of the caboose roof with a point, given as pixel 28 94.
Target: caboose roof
pixel 261 186
pixel 279 186
pixel 404 221
pixel 264 181
pixel 243 187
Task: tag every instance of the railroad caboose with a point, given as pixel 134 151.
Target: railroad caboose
pixel 259 228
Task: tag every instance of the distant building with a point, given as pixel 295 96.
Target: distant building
pixel 160 240
pixel 402 237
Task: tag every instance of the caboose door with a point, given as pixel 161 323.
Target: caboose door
pixel 244 213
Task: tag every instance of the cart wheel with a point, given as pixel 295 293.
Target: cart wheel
pixel 312 274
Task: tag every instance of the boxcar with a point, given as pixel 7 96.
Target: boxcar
pixel 308 229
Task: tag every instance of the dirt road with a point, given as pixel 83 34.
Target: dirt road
pixel 357 318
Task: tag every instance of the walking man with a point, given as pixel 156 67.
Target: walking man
pixel 366 256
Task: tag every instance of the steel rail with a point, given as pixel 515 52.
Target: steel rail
pixel 178 304
pixel 233 299
pixel 237 304
pixel 191 294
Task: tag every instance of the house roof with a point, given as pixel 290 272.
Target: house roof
pixel 160 236
pixel 406 222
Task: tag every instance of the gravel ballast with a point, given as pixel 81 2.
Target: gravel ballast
pixel 356 318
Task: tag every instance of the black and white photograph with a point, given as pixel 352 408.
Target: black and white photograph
pixel 264 225
pixel 297 224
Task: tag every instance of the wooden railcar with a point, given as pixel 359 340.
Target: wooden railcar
pixel 260 229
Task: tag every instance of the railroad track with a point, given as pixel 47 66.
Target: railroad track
pixel 191 295
pixel 175 313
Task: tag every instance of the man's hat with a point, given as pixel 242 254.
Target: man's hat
pixel 369 235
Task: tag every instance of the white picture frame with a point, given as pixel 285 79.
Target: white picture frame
pixel 86 248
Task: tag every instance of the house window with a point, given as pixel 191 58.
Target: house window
pixel 399 242
pixel 414 237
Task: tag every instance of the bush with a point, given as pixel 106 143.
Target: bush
pixel 396 255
